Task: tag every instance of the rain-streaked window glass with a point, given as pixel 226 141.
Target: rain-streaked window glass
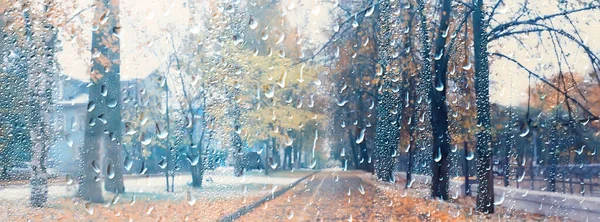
pixel 299 110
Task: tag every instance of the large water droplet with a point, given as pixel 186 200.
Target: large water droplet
pixel 524 130
pixel 439 55
pixel 103 90
pixel 194 159
pixel 470 156
pixel 146 139
pixel 69 180
pixel 439 85
pixel 500 200
pixel 163 163
pixel 112 103
pixel 361 136
pixel 438 156
pixel 355 22
pixel 128 163
pixel 143 169
pixel 110 172
pixel 252 23
pixel 89 208
pixel 370 11
pixel 91 105
pixel 95 166
pixel 191 199
pixel 69 140
pixel 161 134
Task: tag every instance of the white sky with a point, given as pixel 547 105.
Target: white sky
pixel 147 24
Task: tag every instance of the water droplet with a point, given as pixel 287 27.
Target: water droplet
pixel 280 39
pixel 467 66
pixel 500 200
pixel 69 140
pixel 146 139
pixel 270 92
pixel 110 172
pixel 361 189
pixel 143 169
pixel 342 103
pixel 438 156
pixel 252 23
pixel 524 130
pixel 194 159
pixel 149 209
pixel 89 208
pixel 470 156
pixel 103 90
pixel 355 22
pixel 264 35
pixel 370 11
pixel 163 163
pixel 69 179
pixel 521 177
pixel 95 166
pixel 361 136
pixel 313 164
pixel 439 55
pixel 115 200
pixel 191 199
pixel 237 39
pixel 439 85
pixel 91 105
pixel 130 129
pixel 161 134
pixel 112 103
pixel 128 163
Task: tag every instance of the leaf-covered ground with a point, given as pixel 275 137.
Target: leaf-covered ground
pixel 352 196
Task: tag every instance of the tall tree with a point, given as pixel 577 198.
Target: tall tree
pixel 387 132
pixel 485 190
pixel 523 23
pixel 439 112
pixel 104 108
pixel 40 39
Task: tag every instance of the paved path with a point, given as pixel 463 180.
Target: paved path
pixel 327 196
pixel 157 184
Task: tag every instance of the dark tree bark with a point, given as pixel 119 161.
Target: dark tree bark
pixel 238 154
pixel 38 65
pixel 104 91
pixel 485 190
pixel 106 75
pixel 439 113
pixel 387 132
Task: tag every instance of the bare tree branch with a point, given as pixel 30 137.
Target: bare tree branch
pixel 547 82
pixel 503 27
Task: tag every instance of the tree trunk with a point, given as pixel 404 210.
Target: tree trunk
pixel 106 94
pixel 439 113
pixel 553 158
pixel 387 132
pixel 287 158
pixel 364 155
pixel 485 190
pixel 38 67
pixel 238 154
pixel 351 141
